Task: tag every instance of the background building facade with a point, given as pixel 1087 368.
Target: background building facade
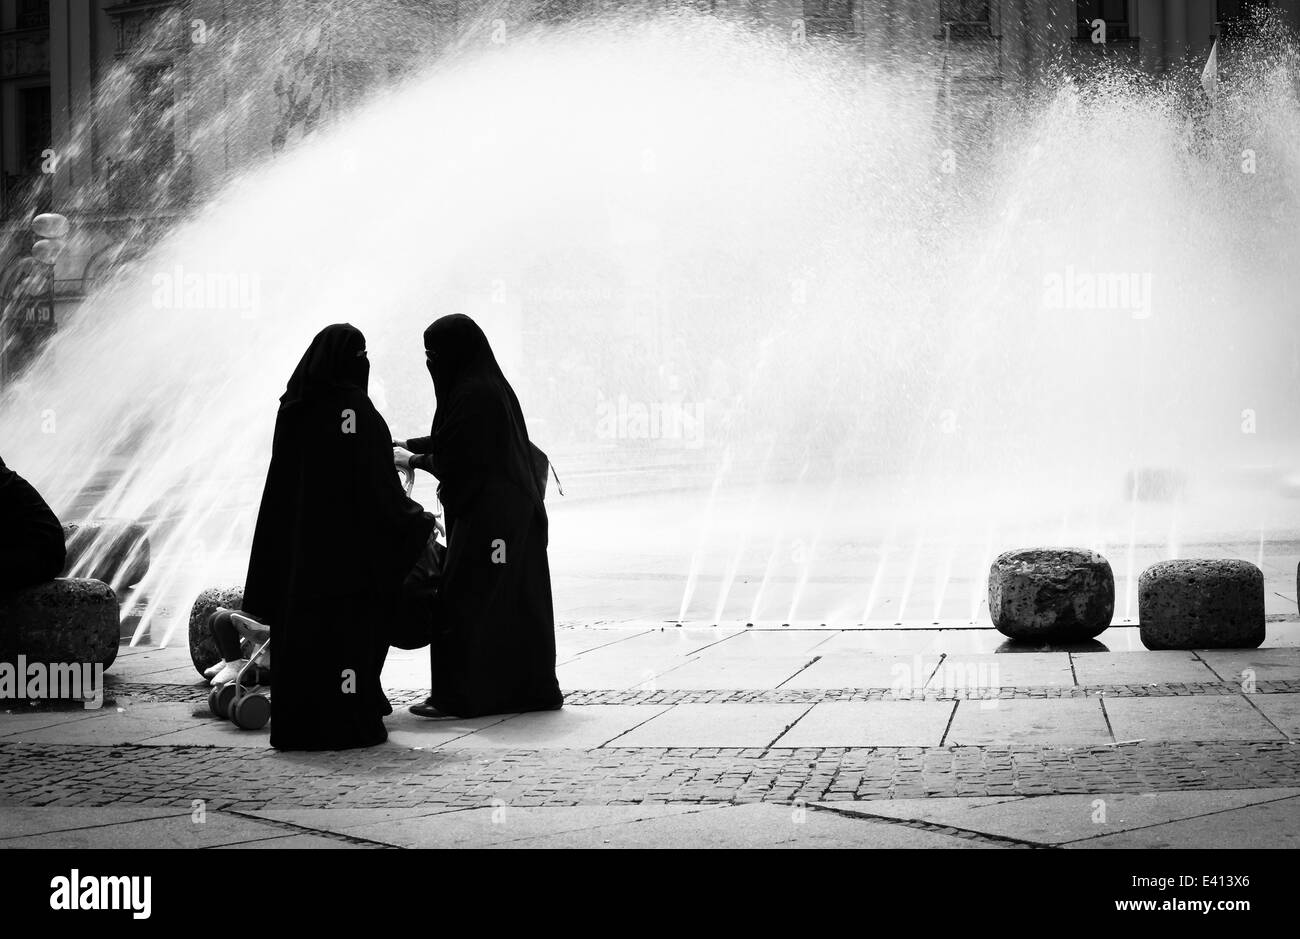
pixel 126 114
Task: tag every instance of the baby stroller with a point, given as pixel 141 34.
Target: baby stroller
pixel 238 700
pixel 246 703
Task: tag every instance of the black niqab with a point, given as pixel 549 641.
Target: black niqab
pixel 478 425
pixel 335 361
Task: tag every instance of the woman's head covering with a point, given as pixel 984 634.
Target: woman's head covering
pixel 467 381
pixel 455 346
pixel 335 359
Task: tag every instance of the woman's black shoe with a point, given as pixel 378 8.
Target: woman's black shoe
pixel 426 708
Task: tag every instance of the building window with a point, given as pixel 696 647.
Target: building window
pixel 1114 13
pixel 33 14
pixel 34 139
pixel 153 104
pixel 828 17
pixel 965 19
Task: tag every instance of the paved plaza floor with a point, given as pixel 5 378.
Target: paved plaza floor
pixel 693 737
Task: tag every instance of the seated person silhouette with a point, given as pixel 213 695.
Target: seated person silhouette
pixel 32 549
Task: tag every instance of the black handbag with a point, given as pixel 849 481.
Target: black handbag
pixel 417 610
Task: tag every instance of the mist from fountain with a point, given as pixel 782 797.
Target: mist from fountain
pixel 688 211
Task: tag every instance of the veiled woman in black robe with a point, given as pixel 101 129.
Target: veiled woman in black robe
pixel 493 648
pixel 335 537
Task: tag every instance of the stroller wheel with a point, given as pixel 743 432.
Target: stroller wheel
pixel 252 711
pixel 227 694
pixel 212 702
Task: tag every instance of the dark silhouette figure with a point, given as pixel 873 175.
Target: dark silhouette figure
pixel 493 648
pixel 31 539
pixel 335 538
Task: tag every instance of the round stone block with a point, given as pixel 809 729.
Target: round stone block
pixel 61 621
pixel 1051 594
pixel 203 650
pixel 119 550
pixel 1201 604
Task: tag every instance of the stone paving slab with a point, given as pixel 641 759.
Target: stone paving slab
pixel 580 728
pixel 407 731
pixel 345 820
pixel 1221 717
pixel 406 672
pixel 18 724
pixel 114 725
pixel 179 674
pixel 645 660
pixel 748 826
pixel 177 831
pixel 850 669
pixel 144 663
pixel 20 821
pixel 207 730
pixel 503 823
pixel 719 826
pixel 295 843
pixel 1128 668
pixel 725 670
pixel 1282 709
pixel 570 643
pixel 605 669
pixel 1267 825
pixel 1065 722
pixel 762 642
pixel 871 724
pixel 1266 664
pixel 942 810
pixel 680 641
pixel 1062 819
pixel 1038 669
pixel 929 642
pixel 714 725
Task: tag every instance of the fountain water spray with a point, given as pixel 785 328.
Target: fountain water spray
pixel 617 193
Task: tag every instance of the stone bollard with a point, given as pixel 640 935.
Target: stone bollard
pixel 61 621
pixel 203 651
pixel 122 548
pixel 1201 604
pixel 1051 594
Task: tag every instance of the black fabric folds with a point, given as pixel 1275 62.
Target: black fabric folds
pixel 494 638
pixel 335 537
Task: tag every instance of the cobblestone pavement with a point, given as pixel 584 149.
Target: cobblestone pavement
pixel 243 778
pixel 1200 751
pixel 403 696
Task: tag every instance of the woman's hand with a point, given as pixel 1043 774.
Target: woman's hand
pixel 401 444
pixel 402 457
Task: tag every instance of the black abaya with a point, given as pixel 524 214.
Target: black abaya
pixel 493 649
pixel 335 537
